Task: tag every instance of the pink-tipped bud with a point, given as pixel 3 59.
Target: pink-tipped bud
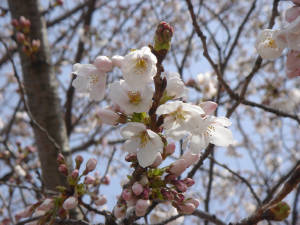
pixel 89 179
pixel 137 188
pixel 127 195
pixel 190 158
pixel 180 185
pixel 157 161
pixel 108 116
pixel 105 180
pixel 168 195
pixel 119 211
pixel 59 2
pixel 24 22
pixel 163 36
pixel 178 167
pixel 78 161
pixel 63 169
pixel 15 23
pixel 189 182
pixel 20 37
pixel 131 157
pixel 75 174
pixel 117 60
pixel 209 107
pixel 141 207
pixel 60 159
pixel 179 197
pixel 170 177
pixel 47 205
pixel 91 165
pixel 187 208
pixel 101 200
pixel 170 149
pixel 103 63
pixel 146 193
pixel 24 213
pixel 70 203
pixel 194 201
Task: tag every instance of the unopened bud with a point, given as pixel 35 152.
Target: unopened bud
pixel 90 165
pixel 89 179
pixel 189 181
pixel 178 167
pixel 20 37
pixel 180 185
pixel 187 208
pixel 163 36
pixel 170 149
pixel 60 159
pixel 141 207
pixel 137 188
pixel 15 23
pixel 35 45
pixel 25 23
pixel 131 157
pixel 108 116
pixel 168 195
pixel 194 201
pixel 78 161
pixel 101 200
pixel 105 180
pixel 103 63
pixel 63 169
pixel 70 203
pixel 127 195
pixel 279 212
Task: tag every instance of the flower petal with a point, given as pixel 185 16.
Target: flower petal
pixel 221 136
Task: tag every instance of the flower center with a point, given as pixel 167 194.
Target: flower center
pixel 178 114
pixel 271 43
pixel 144 138
pixel 94 79
pixel 134 97
pixel 141 65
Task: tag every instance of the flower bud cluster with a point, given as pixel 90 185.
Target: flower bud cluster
pixel 271 43
pixel 29 46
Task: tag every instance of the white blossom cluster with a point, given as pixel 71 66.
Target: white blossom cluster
pixel 133 95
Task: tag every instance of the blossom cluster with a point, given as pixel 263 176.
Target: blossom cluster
pixel 79 184
pixel 149 101
pixel 271 43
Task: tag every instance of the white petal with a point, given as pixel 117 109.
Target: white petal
pixel 221 136
pixel 131 145
pixel 98 90
pixel 84 69
pixel 223 121
pixel 147 156
pixel 132 129
pixel 81 83
pixel 198 143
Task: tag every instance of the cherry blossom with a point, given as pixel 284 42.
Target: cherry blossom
pixel 175 86
pixel 146 143
pixel 129 100
pixel 139 67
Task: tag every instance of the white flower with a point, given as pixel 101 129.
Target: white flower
pixel 269 45
pixel 117 60
pixel 90 80
pixel 139 67
pixel 163 212
pixel 291 34
pixel 209 129
pixel 103 63
pixel 177 119
pixel 129 100
pixel 207 83
pixel 175 86
pixel 142 141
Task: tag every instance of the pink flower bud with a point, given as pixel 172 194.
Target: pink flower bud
pixel 78 161
pixel 89 179
pixel 170 149
pixel 108 116
pixel 20 37
pixel 117 60
pixel 24 22
pixel 187 208
pixel 70 203
pixel 137 188
pixel 131 157
pixel 15 23
pixel 180 185
pixel 157 161
pixel 47 205
pixel 24 213
pixel 170 178
pixel 190 158
pixel 141 207
pixel 146 193
pixel 63 169
pixel 178 167
pixel 103 63
pixel 91 165
pixel 189 182
pixel 119 211
pixel 168 195
pixel 126 194
pixel 101 200
pixel 60 159
pixel 194 201
pixel 105 180
pixel 179 197
pixel 209 107
pixel 292 13
pixel 75 174
pixel 293 64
